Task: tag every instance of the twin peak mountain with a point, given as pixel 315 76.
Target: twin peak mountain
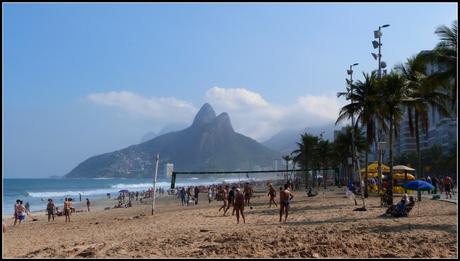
pixel 209 144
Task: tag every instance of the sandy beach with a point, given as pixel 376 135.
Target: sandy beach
pixel 321 226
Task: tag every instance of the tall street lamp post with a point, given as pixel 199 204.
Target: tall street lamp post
pixel 355 160
pixel 381 64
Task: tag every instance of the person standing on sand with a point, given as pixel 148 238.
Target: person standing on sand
pixel 225 199
pixel 67 209
pixel 87 203
pixel 248 193
pixel 16 216
pixel 50 209
pixel 209 195
pixel 285 197
pixel 182 196
pixel 189 194
pixel 239 206
pixel 21 211
pixel 231 200
pixel 272 194
pixel 197 192
pixel 448 186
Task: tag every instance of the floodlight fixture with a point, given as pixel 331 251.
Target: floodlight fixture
pixel 377 34
pixel 383 64
pixel 375 44
pixel 385 25
pixel 349 71
pixel 375 56
pixel 355 64
pixel 348 82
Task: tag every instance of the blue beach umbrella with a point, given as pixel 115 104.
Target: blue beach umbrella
pixel 418 185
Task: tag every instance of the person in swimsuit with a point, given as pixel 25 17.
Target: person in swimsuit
pixel 239 206
pixel 272 194
pixel 67 209
pixel 248 193
pixel 285 197
pixel 50 209
pixel 16 217
pixel 225 197
pixel 21 211
pixel 231 200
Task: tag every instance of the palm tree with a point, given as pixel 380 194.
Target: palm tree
pixel 343 146
pixel 287 158
pixel 366 107
pixel 393 91
pixel 445 54
pixel 424 92
pixel 324 154
pixel 304 155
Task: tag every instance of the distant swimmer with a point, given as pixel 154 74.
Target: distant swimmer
pixel 285 197
pixel 239 206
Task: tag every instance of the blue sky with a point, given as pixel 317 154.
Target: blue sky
pixel 85 79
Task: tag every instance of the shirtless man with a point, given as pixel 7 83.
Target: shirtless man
pixel 67 209
pixel 239 206
pixel 247 193
pixel 285 197
pixel 225 197
pixel 272 194
pixel 50 209
pixel 231 200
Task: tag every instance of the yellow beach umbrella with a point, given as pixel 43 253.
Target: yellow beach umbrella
pixel 374 168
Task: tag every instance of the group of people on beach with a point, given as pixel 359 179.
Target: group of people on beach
pixel 239 199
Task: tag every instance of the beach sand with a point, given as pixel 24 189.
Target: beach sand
pixel 322 226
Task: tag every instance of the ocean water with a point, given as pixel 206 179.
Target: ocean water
pixel 37 191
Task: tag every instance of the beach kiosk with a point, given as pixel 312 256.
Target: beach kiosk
pixel 401 177
pixel 373 171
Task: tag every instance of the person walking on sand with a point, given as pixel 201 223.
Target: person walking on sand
pixel 50 209
pixel 272 194
pixel 285 197
pixel 88 203
pixel 239 206
pixel 225 199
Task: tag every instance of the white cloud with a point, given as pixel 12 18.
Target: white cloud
pixel 249 112
pixel 163 109
pixel 252 115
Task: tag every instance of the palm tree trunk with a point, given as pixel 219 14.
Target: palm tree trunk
pixel 419 157
pixel 390 177
pixel 366 194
